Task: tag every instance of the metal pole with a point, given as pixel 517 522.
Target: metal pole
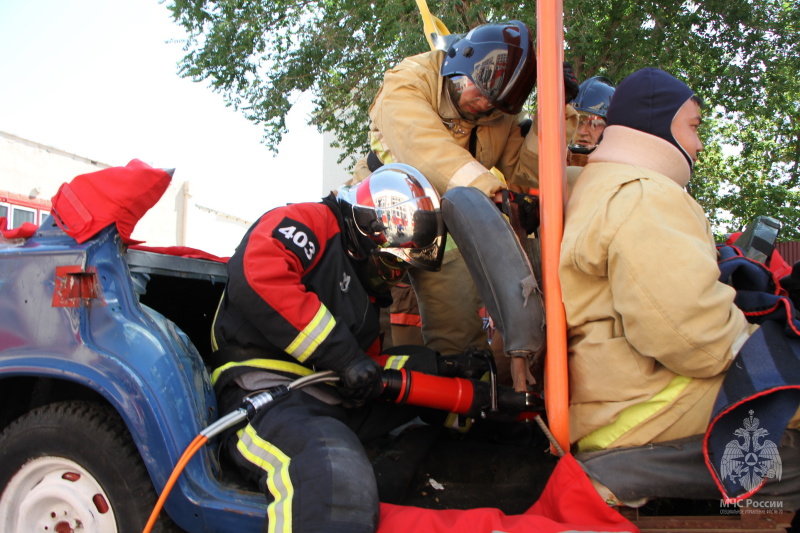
pixel 552 183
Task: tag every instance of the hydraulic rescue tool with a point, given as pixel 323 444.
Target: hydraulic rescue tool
pixel 463 396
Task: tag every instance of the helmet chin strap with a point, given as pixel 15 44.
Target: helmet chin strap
pixel 370 278
pixel 357 245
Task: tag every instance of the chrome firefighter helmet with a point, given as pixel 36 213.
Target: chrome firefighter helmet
pixel 394 219
pixel 499 59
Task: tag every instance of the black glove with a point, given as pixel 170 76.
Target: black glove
pixel 571 86
pixel 361 380
pixel 472 364
pixel 526 211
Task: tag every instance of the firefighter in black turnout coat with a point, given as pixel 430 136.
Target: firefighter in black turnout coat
pixel 302 296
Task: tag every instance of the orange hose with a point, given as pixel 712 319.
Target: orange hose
pixel 552 170
pixel 198 442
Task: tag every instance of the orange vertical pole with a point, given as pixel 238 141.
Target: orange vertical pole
pixel 552 185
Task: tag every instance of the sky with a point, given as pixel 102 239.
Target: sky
pixel 99 78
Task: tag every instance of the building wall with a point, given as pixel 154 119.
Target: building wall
pixel 211 230
pixel 333 172
pixel 790 251
pixel 32 171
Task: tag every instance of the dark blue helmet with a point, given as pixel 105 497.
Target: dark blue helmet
pixel 594 96
pixel 499 59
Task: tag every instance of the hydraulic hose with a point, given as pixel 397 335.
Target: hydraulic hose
pixel 250 406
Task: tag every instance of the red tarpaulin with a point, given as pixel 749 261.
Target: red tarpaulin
pixel 569 502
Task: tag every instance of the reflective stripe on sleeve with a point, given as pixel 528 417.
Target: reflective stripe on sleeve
pixel 377 146
pixel 396 362
pixel 314 334
pixel 466 174
pixel 273 461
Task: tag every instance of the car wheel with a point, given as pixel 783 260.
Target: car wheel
pixel 72 466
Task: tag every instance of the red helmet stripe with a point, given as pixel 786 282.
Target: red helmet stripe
pixel 363 194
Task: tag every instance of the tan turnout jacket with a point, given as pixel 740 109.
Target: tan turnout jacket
pixel 651 330
pixel 415 122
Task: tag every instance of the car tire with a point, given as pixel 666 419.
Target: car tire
pixel 72 466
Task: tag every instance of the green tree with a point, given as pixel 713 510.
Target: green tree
pixel 742 57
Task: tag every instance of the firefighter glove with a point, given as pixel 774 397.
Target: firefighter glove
pixel 360 381
pixel 526 211
pixel 472 364
pixel 571 86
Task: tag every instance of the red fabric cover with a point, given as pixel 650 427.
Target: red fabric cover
pixel 182 251
pixel 116 195
pixel 777 264
pixel 569 502
pixel 27 229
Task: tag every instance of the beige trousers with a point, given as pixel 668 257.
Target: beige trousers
pixel 449 306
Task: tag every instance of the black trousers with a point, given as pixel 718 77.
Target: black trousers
pixel 307 457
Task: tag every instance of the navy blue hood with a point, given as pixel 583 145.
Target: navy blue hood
pixel 648 101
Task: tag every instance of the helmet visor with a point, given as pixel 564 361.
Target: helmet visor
pixel 428 258
pixel 412 231
pixel 495 75
pixel 591 121
pixel 589 132
pixel 503 70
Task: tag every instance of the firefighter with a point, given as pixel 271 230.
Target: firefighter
pixel 455 115
pixel 302 295
pixel 594 97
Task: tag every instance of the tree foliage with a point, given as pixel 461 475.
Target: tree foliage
pixel 741 56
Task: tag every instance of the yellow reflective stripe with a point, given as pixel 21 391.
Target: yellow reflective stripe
pixel 456 422
pixel 396 362
pixel 269 458
pixel 377 146
pixel 313 335
pixel 214 346
pixel 632 416
pixel 263 364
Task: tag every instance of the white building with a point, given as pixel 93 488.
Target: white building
pixel 31 173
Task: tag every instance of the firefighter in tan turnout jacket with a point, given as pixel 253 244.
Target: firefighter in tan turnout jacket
pixel 456 115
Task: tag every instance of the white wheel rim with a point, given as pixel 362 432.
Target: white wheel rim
pixel 55 495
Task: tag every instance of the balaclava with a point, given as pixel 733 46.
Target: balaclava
pixel 647 101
